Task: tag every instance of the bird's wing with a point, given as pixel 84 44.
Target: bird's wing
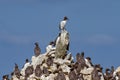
pixel 59 27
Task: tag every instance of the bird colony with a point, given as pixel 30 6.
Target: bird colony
pixel 57 63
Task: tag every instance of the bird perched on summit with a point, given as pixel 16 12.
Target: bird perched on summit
pixel 63 23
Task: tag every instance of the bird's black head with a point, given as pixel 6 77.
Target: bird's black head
pixel 16 66
pixel 36 43
pixel 27 60
pixel 65 18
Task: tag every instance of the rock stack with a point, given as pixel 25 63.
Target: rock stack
pixel 57 64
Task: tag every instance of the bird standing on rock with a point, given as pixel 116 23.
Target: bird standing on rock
pixel 17 71
pixel 63 23
pixel 37 49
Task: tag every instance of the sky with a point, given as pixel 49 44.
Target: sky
pixel 93 27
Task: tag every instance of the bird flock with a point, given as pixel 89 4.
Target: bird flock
pixel 46 66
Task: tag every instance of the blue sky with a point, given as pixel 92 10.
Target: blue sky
pixel 93 27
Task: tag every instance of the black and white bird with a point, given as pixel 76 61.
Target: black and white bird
pixel 63 23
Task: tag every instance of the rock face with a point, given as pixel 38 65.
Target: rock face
pixel 62 44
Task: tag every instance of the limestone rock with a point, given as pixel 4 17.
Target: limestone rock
pixel 38 60
pixel 62 44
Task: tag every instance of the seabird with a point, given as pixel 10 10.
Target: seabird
pixel 29 70
pixel 50 47
pixel 49 61
pixel 72 75
pixel 60 76
pixel 37 49
pixel 88 62
pixel 38 71
pixel 63 23
pixel 80 59
pixel 94 74
pixel 27 63
pixel 45 71
pixel 17 71
pixel 80 76
pixel 5 77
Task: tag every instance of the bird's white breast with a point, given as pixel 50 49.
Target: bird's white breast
pixel 62 24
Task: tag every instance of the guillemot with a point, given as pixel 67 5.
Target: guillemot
pixel 63 23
